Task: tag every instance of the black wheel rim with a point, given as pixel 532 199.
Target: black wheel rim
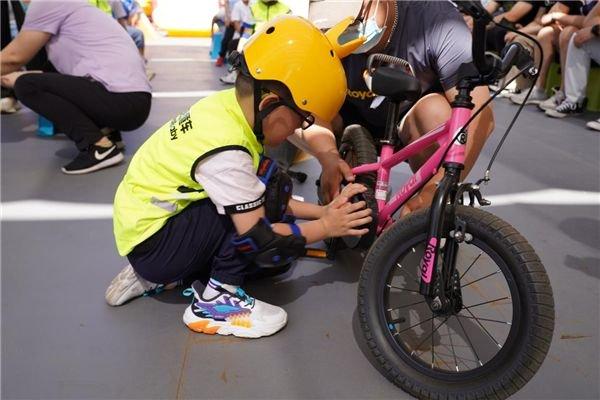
pixel 431 345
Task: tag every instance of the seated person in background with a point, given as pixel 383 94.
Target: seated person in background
pixel 519 15
pixel 97 86
pixel 119 12
pixel 562 20
pixel 133 10
pixel 192 203
pixel 265 10
pixel 243 25
pixel 584 47
pixel 229 31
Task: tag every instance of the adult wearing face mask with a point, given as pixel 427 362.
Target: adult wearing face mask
pixel 433 37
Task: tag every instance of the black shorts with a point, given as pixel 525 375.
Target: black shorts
pixel 195 242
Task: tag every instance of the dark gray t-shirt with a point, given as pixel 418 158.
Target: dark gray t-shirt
pixel 433 37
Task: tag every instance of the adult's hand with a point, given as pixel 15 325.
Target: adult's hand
pixel 509 37
pixel 583 36
pixel 334 171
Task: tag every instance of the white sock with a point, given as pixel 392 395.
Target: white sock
pixel 211 289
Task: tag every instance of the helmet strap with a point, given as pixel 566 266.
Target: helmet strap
pixel 259 115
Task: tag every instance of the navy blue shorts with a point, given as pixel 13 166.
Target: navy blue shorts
pixel 194 242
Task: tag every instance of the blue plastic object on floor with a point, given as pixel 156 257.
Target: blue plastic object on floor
pixel 216 45
pixel 45 127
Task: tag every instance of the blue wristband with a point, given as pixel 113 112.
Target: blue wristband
pixel 295 229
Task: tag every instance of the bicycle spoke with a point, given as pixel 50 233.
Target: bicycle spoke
pixel 482 327
pixel 469 340
pixel 452 345
pixel 432 345
pixel 477 280
pixel 412 326
pixel 408 272
pixel 473 263
pixel 431 334
pixel 486 302
pixel 405 290
pixel 408 305
pixel 487 319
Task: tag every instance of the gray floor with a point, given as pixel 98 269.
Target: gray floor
pixel 59 339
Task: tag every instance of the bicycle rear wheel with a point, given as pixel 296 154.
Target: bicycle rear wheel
pixel 491 345
pixel 357 148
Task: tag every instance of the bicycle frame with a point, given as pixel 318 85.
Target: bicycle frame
pixel 455 156
pixel 443 134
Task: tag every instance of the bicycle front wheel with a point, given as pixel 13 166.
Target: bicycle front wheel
pixel 489 345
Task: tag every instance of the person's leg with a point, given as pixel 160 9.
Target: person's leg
pixel 547 37
pixel 138 38
pixel 575 77
pixel 576 71
pixel 428 113
pixel 227 36
pixel 186 246
pixel 563 44
pixel 194 241
pixel 43 93
pixel 81 106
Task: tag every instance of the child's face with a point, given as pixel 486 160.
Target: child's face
pixel 279 124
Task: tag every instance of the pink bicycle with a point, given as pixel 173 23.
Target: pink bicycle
pixel 453 301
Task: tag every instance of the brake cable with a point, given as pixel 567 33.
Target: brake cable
pixel 486 177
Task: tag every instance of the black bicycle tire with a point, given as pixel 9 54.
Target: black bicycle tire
pixel 535 333
pixel 361 143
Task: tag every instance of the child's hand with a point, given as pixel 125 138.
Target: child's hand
pixel 342 217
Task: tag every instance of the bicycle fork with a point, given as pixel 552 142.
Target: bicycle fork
pixel 436 281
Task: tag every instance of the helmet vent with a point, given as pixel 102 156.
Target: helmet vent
pixel 331 53
pixel 271 30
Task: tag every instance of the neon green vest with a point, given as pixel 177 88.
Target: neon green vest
pixel 263 12
pixel 160 181
pixel 103 5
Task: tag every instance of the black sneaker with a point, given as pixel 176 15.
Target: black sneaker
pixel 93 159
pixel 565 109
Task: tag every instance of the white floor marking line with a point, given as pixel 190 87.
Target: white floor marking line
pixel 45 210
pixel 548 197
pixel 181 95
pixel 206 60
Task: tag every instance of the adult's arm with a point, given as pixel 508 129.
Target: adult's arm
pixel 518 11
pixel 21 50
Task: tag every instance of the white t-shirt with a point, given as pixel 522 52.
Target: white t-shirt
pixel 241 12
pixel 230 181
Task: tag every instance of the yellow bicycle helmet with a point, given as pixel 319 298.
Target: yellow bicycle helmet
pixel 293 51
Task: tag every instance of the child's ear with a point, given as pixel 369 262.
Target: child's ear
pixel 268 99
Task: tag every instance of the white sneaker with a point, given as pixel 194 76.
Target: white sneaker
pixel 232 314
pixel 553 101
pixel 230 78
pixel 595 125
pixel 9 105
pixel 537 96
pixel 128 285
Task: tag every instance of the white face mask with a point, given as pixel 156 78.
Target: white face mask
pixel 369 29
